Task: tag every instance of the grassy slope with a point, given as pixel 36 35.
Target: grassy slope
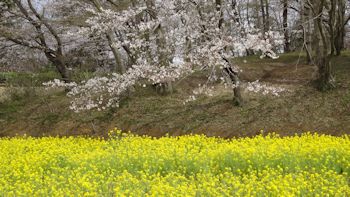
pixel 304 109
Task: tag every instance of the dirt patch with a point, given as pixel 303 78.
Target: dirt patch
pixel 279 73
pixel 289 74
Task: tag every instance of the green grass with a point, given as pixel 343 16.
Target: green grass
pixel 27 79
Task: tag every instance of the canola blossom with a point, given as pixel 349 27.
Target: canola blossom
pixel 127 165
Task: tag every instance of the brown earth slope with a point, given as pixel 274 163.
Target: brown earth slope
pixel 40 113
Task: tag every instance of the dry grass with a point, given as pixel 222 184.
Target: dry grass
pixel 2 93
pixel 303 109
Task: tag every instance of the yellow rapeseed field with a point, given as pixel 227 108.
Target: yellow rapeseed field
pixel 126 165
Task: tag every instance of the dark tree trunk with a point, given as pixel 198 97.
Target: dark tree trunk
pixel 247 14
pixel 267 17
pixel 59 62
pixel 118 67
pixel 237 96
pixel 308 34
pixel 323 47
pixel 263 14
pixel 331 25
pixel 218 9
pixel 285 26
pixel 257 15
pixel 339 41
pixel 340 27
pixel 325 79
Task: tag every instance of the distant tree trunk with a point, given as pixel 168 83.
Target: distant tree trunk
pixel 307 21
pixel 285 26
pixel 267 19
pixel 257 16
pixel 331 24
pixel 339 41
pixel 340 27
pixel 219 9
pixel 247 14
pixel 262 7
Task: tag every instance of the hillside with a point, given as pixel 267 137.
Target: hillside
pixel 38 112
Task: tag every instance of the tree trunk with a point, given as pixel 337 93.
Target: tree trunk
pixel 285 26
pixel 118 67
pixel 339 41
pixel 38 22
pixel 304 18
pixel 308 41
pixel 237 96
pixel 325 80
pixel 257 16
pixel 331 25
pixel 59 62
pixel 218 4
pixel 163 56
pixel 247 14
pixel 262 7
pixel 267 19
pixel 340 27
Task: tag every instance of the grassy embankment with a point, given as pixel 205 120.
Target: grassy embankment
pixel 38 112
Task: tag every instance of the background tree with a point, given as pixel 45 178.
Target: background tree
pixel 24 25
pixel 328 19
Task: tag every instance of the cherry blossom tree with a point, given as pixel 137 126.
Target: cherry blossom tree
pixel 166 40
pixel 24 24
